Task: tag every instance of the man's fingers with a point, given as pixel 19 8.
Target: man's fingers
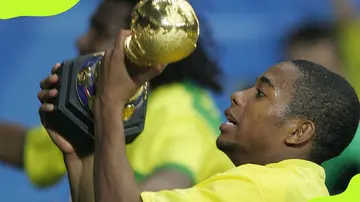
pixel 153 72
pixel 62 143
pixel 55 68
pixel 147 73
pixel 47 107
pixel 158 69
pixel 123 34
pixel 119 43
pixel 45 95
pixel 49 81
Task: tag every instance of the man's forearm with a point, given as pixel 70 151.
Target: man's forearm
pixel 113 177
pixel 80 175
pixel 12 140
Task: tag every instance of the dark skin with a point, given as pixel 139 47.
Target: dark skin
pixel 257 117
pixel 105 24
pixel 12 139
pixel 255 133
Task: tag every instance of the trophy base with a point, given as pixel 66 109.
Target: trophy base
pixel 73 121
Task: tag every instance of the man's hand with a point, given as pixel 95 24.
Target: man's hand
pixel 46 94
pixel 79 170
pixel 118 79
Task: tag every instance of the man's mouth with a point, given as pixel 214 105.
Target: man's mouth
pixel 230 117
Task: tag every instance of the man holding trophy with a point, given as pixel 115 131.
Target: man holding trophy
pixel 277 134
pixel 179 108
pixel 173 42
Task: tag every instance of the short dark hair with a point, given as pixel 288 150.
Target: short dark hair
pixel 331 103
pixel 200 67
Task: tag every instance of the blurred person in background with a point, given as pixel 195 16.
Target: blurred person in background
pixel 317 42
pixel 177 147
pixel 336 47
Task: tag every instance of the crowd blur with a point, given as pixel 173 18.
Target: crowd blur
pixel 239 40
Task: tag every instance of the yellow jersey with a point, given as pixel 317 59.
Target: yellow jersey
pixel 180 132
pixel 287 181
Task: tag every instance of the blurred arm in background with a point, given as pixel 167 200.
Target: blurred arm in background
pixel 12 138
pixel 33 151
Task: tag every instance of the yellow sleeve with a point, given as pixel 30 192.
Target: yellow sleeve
pixel 350 46
pixel 216 189
pixel 43 161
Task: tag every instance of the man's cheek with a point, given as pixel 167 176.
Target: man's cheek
pixel 276 110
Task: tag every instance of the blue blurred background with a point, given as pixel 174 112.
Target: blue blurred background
pixel 248 33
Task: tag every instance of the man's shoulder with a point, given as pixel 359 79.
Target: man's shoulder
pixel 291 171
pixel 283 182
pixel 292 180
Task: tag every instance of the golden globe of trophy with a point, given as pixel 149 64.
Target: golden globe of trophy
pixel 162 32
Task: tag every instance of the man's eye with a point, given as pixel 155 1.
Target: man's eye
pixel 259 93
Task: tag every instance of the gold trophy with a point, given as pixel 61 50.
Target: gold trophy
pixel 162 32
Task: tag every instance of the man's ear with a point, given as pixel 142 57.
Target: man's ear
pixel 300 132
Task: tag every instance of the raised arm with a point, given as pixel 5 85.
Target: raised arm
pixel 113 177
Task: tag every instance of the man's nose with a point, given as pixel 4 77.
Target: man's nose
pixel 238 98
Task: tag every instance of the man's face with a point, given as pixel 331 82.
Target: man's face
pixel 255 131
pixel 105 24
